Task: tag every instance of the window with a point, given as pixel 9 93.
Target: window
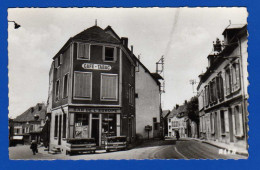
pixel 82 85
pixel 56 126
pixel 81 125
pixel 65 86
pixel 212 127
pixel 222 121
pixel 57 90
pixel 238 121
pixel 109 54
pixel 109 87
pixel 58 61
pixel 109 124
pixel 228 81
pixel 220 88
pixel 235 77
pixel 132 71
pixel 64 126
pixel 83 51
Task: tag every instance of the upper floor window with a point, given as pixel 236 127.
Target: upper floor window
pixel 220 87
pixel 109 54
pixel 82 85
pixel 65 86
pixel 235 77
pixel 57 90
pixel 109 87
pixel 83 51
pixel 58 61
pixel 228 81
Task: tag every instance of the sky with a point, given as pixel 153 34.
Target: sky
pixel 184 36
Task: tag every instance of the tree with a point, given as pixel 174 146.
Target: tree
pixel 193 111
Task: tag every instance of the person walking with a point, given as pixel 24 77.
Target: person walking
pixel 34 147
pixel 177 135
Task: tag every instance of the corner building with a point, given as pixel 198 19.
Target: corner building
pixel 93 92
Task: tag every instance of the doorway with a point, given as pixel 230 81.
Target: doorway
pixel 59 140
pixel 231 132
pixel 95 130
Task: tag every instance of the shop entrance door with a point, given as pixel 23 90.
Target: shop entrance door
pixel 95 130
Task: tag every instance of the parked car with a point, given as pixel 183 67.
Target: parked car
pixel 116 143
pixel 80 145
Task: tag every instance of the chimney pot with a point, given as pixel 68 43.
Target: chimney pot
pixel 124 41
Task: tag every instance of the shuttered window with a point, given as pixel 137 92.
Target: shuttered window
pixel 109 86
pixel 235 77
pixel 228 81
pixel 83 51
pixel 82 85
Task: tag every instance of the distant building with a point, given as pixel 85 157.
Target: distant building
pixel 177 121
pixel 164 118
pixel 223 90
pixel 28 125
pixel 95 91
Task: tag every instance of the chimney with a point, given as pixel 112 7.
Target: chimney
pixel 177 106
pixel 185 102
pixel 124 41
pixel 132 49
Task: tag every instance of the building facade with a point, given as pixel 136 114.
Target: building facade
pixel 222 91
pixel 147 89
pixel 94 88
pixel 177 121
pixel 28 126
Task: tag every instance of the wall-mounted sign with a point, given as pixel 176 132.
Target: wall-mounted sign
pixel 94 110
pixel 92 66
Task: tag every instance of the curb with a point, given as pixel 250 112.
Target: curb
pixel 221 147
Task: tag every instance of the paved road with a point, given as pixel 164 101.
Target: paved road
pixel 169 149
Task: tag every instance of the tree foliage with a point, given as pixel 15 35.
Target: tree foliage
pixel 193 109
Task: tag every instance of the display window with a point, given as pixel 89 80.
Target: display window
pixel 109 124
pixel 82 126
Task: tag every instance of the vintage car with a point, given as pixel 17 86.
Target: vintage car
pixel 80 145
pixel 116 143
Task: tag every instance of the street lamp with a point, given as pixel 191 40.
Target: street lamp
pixel 16 26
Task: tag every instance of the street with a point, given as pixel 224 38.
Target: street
pixel 168 149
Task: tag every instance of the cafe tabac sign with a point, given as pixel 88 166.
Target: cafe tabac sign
pixel 91 66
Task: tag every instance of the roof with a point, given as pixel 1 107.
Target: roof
pixel 157 76
pixel 28 115
pixel 233 27
pixel 165 113
pixel 96 34
pixel 180 109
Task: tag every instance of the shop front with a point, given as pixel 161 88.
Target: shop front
pixel 97 123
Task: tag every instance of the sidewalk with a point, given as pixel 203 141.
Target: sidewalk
pixel 228 147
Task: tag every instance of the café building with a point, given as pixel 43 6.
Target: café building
pixel 93 88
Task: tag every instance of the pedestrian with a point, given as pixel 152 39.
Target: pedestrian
pixel 177 135
pixel 34 147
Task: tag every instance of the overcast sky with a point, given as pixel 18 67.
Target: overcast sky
pixel 183 35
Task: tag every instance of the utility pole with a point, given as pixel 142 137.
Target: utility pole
pixel 193 82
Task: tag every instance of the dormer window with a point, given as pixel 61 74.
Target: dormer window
pixel 109 54
pixel 58 61
pixel 83 51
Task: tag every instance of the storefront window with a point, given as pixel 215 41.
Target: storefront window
pixel 81 125
pixel 109 124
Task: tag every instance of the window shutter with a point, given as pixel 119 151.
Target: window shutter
pixel 238 76
pixel 82 88
pixel 61 59
pixel 115 54
pixel 109 87
pixel 56 63
pixel 86 51
pixel 80 50
pixel 241 121
pixel 226 120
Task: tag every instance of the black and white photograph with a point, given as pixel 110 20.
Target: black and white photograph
pixel 128 83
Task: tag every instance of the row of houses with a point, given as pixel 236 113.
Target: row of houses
pixel 222 96
pixel 99 88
